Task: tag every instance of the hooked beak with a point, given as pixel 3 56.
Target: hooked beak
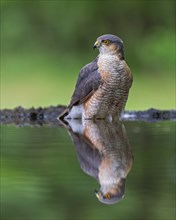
pixel 96 45
pixel 98 194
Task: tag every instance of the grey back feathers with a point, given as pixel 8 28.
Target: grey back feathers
pixel 88 81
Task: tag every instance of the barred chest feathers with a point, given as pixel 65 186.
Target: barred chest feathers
pixel 111 97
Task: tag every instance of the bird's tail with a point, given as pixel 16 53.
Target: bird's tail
pixel 63 114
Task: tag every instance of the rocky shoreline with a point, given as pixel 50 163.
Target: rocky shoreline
pixel 48 115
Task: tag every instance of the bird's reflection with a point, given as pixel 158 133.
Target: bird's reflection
pixel 104 153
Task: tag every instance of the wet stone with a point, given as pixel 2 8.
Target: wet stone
pixel 48 115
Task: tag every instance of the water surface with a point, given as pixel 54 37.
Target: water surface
pixel 41 176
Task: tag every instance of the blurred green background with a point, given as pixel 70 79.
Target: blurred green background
pixel 45 43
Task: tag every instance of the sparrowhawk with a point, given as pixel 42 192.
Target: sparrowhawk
pixel 104 153
pixel 103 85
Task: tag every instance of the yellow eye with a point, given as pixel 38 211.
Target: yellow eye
pixel 106 42
pixel 107 196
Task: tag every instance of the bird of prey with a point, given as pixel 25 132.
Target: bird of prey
pixel 103 85
pixel 104 153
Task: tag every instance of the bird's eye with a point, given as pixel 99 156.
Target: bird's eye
pixel 106 42
pixel 107 196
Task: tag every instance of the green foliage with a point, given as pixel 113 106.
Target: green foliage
pixel 45 43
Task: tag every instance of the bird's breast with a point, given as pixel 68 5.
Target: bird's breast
pixel 111 96
pixel 108 63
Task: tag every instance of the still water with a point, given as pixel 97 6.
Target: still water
pixel 51 173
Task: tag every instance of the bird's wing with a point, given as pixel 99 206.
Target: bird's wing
pixel 87 83
pixel 88 156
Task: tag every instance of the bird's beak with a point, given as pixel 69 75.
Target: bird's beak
pixel 98 195
pixel 96 45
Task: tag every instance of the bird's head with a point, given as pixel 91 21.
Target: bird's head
pixel 111 194
pixel 110 44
